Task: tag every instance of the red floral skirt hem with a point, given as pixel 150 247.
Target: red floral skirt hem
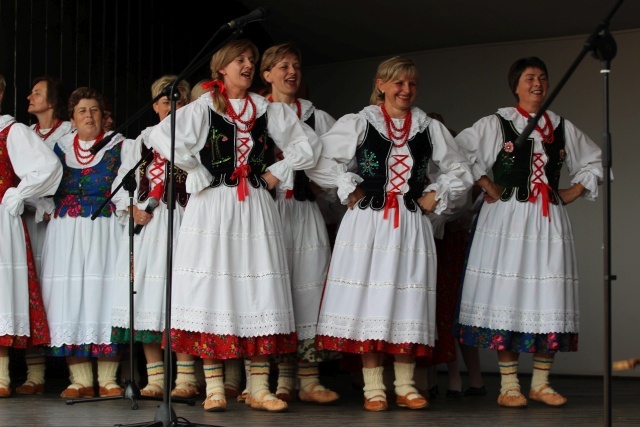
pixel 14 341
pixel 38 325
pixel 345 345
pixel 222 347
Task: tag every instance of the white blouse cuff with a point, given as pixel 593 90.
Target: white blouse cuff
pixel 13 202
pixel 198 179
pixel 442 196
pixel 590 182
pixel 44 205
pixel 284 172
pixel 347 183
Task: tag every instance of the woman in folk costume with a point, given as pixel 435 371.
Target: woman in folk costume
pixel 381 288
pixel 47 101
pixel 149 264
pixel 232 295
pixel 520 291
pixel 306 237
pixel 78 260
pixel 28 168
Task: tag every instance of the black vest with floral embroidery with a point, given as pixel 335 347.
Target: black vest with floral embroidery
pixel 373 159
pixel 179 180
pixel 219 154
pixel 514 167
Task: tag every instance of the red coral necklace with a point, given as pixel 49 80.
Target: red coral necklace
pixel 84 156
pixel 395 133
pixel 48 134
pixel 545 133
pixel 237 118
pixel 298 106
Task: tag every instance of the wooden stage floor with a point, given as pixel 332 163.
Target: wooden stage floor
pixel 585 408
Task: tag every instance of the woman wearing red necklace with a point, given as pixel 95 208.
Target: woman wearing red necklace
pixel 231 295
pixel 46 102
pixel 380 294
pixel 79 253
pixel 306 237
pixel 521 296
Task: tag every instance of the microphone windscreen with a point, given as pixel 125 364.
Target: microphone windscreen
pixel 153 203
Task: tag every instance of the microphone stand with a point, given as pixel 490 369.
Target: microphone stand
pixel 603 47
pixel 165 416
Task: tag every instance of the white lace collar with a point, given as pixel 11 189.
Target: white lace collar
pixel 307 109
pixel 66 142
pixel 512 114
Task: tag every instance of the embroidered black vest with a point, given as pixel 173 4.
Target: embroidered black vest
pixel 219 153
pixel 301 184
pixel 373 157
pixel 179 180
pixel 514 169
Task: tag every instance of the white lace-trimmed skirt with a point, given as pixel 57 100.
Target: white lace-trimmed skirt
pixel 308 253
pixel 230 268
pixel 150 266
pixel 14 280
pixel 382 281
pixel 78 263
pixel 522 274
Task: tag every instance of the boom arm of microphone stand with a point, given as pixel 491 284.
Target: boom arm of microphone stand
pixel 590 45
pixel 168 91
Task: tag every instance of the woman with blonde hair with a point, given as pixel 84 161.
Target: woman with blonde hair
pixel 380 294
pixel 232 297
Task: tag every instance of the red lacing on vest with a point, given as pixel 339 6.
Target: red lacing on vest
pixel 540 188
pixel 398 169
pixel 156 171
pixel 242 171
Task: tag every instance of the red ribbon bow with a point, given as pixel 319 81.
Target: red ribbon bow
pixel 157 191
pixel 392 203
pixel 241 173
pixel 541 189
pixel 214 84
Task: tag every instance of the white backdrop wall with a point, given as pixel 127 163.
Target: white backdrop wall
pixel 469 82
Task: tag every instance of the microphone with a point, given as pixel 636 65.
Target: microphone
pixel 153 203
pixel 257 15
